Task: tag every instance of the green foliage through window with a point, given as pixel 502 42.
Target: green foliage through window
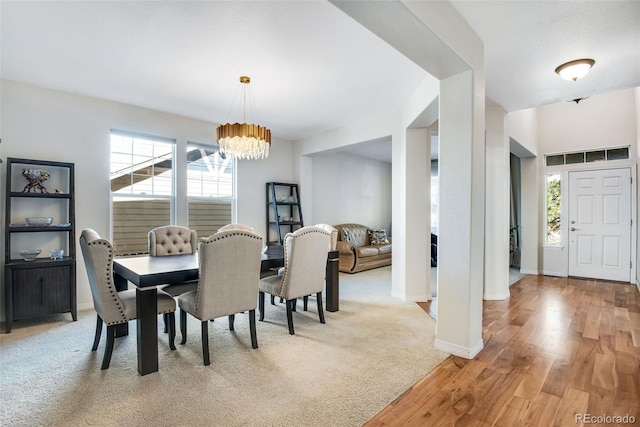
pixel 553 209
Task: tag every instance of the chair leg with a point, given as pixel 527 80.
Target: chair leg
pixel 320 311
pixel 205 342
pixel 294 304
pixel 171 321
pixel 290 304
pixel 183 326
pixel 96 340
pixel 261 304
pixel 111 335
pixel 252 328
pixel 273 300
pixel 305 300
pixel 232 318
pixel 165 317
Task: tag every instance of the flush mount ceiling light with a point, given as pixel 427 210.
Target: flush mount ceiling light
pixel 244 140
pixel 573 70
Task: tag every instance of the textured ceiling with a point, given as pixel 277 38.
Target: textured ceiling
pixel 313 68
pixel 526 40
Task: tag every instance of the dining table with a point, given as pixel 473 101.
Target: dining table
pixel 147 272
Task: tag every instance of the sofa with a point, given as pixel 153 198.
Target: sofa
pixel 356 253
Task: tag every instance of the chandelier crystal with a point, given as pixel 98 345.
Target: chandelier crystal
pixel 244 140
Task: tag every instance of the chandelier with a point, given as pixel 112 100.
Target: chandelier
pixel 244 140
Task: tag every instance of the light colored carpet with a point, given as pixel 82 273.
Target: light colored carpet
pixel 338 374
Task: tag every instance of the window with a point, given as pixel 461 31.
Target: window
pixel 601 155
pixel 554 194
pixel 618 154
pixel 210 188
pixel 572 158
pixel 142 183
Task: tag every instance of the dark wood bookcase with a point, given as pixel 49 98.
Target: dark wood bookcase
pixel 42 286
pixel 284 213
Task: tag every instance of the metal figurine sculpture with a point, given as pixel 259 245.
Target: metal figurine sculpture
pixel 35 177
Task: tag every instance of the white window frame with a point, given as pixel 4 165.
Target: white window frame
pixel 171 197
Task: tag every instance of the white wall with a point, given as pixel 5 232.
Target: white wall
pixel 600 121
pixel 351 189
pixel 50 125
pixel 252 177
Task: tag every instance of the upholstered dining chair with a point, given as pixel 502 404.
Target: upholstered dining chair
pixel 305 260
pixel 332 247
pixel 333 232
pixel 235 226
pixel 171 240
pixel 114 307
pixel 228 283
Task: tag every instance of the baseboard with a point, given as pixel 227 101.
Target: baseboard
pixel 534 272
pixel 413 298
pixel 554 273
pixel 457 350
pixel 497 296
pixel 85 306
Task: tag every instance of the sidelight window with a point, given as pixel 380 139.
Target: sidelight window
pixel 554 194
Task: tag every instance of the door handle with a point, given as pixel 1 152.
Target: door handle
pixel 574 229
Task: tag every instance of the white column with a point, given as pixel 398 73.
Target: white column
pixel 461 238
pixel 416 174
pixel 496 283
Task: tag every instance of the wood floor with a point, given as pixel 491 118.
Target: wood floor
pixel 556 348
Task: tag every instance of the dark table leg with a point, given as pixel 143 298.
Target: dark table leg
pixel 147 324
pixel 121 284
pixel 333 282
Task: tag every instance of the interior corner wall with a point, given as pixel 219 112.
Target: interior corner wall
pixel 51 125
pixel 351 189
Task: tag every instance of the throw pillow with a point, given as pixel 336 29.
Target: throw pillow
pixel 378 237
pixel 347 235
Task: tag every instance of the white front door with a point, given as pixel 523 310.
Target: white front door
pixel 600 224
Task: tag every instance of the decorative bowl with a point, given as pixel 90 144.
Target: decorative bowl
pixel 56 253
pixel 39 221
pixel 30 254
